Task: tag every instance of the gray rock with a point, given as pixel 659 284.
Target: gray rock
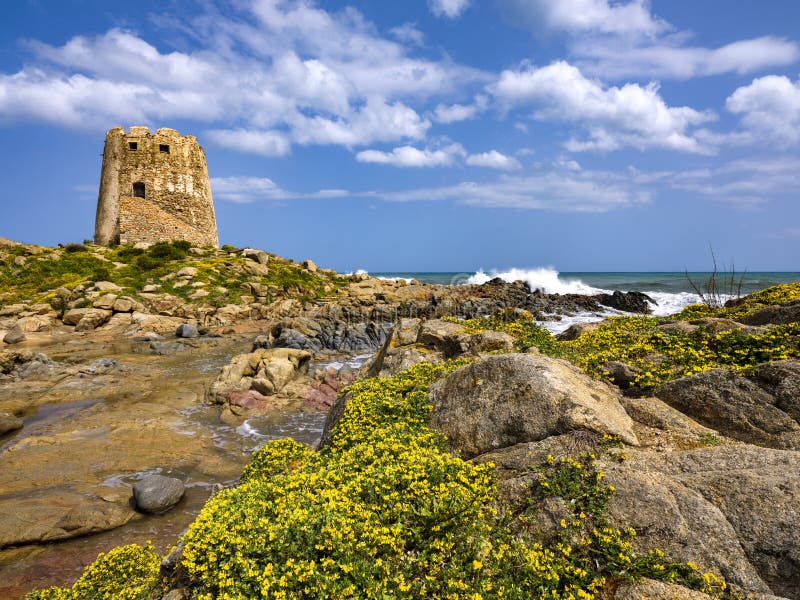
pixel 9 422
pixel 656 590
pixel 100 366
pixel 576 330
pixel 107 286
pixel 157 493
pixel 167 348
pixel 781 379
pixel 259 256
pixel 106 302
pixel 187 272
pixel 774 315
pixel 508 399
pixel 622 375
pixel 186 330
pixel 15 336
pixel 734 406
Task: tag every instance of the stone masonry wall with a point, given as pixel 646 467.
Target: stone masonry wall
pixel 177 203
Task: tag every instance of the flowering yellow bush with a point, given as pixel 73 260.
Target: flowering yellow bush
pixel 660 356
pixel 125 573
pixel 386 512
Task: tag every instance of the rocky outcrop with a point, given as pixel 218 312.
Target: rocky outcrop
pixel 323 333
pixel 416 340
pixel 774 315
pixel 633 302
pixel 738 407
pixel 250 379
pixel 500 401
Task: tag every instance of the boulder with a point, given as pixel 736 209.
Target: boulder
pixel 86 319
pixel 187 272
pixel 124 305
pixel 35 323
pixel 9 422
pixel 634 302
pixel 15 336
pixel 416 340
pixel 156 493
pixel 106 302
pixel 508 399
pixel 265 372
pixel 107 286
pixel 622 375
pixel 734 406
pixel 573 332
pixel 185 330
pixel 259 256
pixel 781 379
pixel 256 269
pixel 309 265
pixel 774 315
pixel 734 509
pixel 656 590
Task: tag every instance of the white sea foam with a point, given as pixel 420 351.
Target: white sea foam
pixel 545 279
pixel 549 281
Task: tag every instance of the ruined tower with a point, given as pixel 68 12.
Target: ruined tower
pixel 154 187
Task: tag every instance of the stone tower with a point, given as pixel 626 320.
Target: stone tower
pixel 154 187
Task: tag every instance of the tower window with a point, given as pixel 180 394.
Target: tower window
pixel 133 145
pixel 163 148
pixel 138 190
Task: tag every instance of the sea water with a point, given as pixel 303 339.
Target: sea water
pixel 671 291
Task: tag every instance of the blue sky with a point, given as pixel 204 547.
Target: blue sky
pixel 426 134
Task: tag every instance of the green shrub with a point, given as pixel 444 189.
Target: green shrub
pixel 124 573
pixel 75 248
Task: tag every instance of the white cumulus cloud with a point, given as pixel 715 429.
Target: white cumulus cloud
pixel 408 156
pixel 630 115
pixel 493 160
pixel 770 109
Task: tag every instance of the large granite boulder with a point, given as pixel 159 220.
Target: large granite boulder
pixel 508 399
pixel 738 407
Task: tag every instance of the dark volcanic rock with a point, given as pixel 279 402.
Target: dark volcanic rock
pixel 635 302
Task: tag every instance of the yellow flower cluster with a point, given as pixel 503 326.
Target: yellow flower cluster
pixel 659 356
pixel 125 573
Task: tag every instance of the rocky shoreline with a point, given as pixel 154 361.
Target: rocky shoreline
pixel 709 473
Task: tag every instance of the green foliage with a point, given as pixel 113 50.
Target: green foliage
pixel 526 332
pixel 659 356
pixel 125 573
pixel 75 248
pixel 386 512
pixel 587 540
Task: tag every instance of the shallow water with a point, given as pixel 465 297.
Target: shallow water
pixel 60 563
